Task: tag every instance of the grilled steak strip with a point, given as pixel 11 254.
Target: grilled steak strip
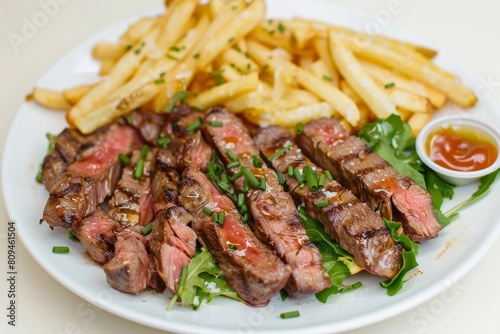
pixel 172 241
pixel 148 124
pixel 97 233
pixel 132 201
pixel 371 178
pixel 357 228
pixel 89 179
pixel 254 272
pixel 276 221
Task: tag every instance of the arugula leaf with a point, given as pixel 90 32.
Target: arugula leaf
pixel 484 186
pixel 439 188
pixel 409 256
pixel 336 261
pixel 205 279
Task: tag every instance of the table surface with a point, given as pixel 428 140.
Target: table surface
pixel 465 29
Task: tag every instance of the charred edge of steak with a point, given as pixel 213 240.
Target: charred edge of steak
pixel 372 179
pixel 250 268
pixel 358 229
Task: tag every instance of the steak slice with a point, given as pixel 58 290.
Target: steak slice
pixel 253 271
pixel 132 201
pixel 129 269
pixel 166 181
pixel 97 233
pixel 357 228
pixel 372 179
pixel 148 124
pixel 276 221
pixel 89 179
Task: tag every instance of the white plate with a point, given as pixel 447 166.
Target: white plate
pixel 442 261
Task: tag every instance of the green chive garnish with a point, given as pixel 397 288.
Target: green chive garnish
pixel 216 124
pixel 139 169
pixel 245 218
pixel 60 250
pixel 311 178
pixel 71 235
pixel 280 151
pixel 159 81
pixel 288 315
pixel 163 141
pixel 207 211
pixel 218 169
pixel 389 85
pixel 180 287
pixel 322 204
pixel 196 55
pixel 298 176
pixel 193 127
pixel 130 120
pixel 299 128
pixel 145 231
pixel 281 178
pixel 290 171
pixel 262 184
pixel 256 161
pixel 175 48
pixel 216 217
pixel 222 216
pixel 231 155
pixel 232 39
pixel 327 78
pixel 328 175
pixel 250 177
pixel 351 287
pixel 236 176
pixel 179 96
pixel 123 158
pixel 233 164
pixel 144 151
pixel 281 27
pixel 169 56
pixel 241 200
pixel 232 247
pixel 245 185
pixel 321 182
pixel 225 186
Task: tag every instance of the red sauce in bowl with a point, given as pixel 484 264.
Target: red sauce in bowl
pixel 461 148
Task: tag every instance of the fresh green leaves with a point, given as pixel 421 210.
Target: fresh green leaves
pixel 409 258
pixel 439 188
pixel 204 280
pixel 50 148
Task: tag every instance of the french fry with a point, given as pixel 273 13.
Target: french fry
pixel 218 7
pixel 73 95
pixel 108 51
pixel 417 121
pixel 383 75
pixel 300 96
pixel 137 30
pixel 106 67
pixel 239 61
pixel 225 92
pixel 357 78
pixel 246 101
pixel 290 117
pixel 50 99
pixel 177 20
pixel 229 73
pixel 323 50
pixel 407 100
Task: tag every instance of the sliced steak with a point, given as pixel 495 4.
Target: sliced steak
pixel 132 201
pixel 129 269
pixel 166 181
pixel 254 272
pixel 357 228
pixel 371 178
pixel 190 148
pixel 97 233
pixel 89 179
pixel 148 124
pixel 275 219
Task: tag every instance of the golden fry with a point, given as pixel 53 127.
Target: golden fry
pixel 50 99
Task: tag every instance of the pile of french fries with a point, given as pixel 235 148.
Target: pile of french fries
pixel 270 71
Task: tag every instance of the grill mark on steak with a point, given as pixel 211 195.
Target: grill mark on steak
pixel 276 221
pixel 89 179
pixel 253 271
pixel 132 201
pixel 358 229
pixel 370 177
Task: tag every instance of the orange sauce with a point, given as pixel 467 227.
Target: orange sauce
pixel 461 148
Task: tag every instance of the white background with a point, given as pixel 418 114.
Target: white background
pixel 468 30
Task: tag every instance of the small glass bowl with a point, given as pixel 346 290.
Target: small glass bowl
pixel 452 176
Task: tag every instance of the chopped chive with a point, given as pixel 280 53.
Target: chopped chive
pixel 250 177
pixel 328 175
pixel 245 218
pixel 196 55
pixel 222 216
pixel 207 211
pixel 389 85
pixel 176 98
pixel 123 158
pixel 216 124
pixel 225 186
pixel 236 176
pixel 71 235
pixel 299 128
pixel 162 74
pixel 232 156
pixel 241 200
pixel 301 185
pixel 224 178
pixel 233 164
pixel 128 47
pixel 159 81
pixel 130 120
pixel 163 141
pixel 232 247
pixel 249 66
pixel 262 185
pixel 321 182
pixel 280 151
pixel 216 218
pixel 245 185
pixel 60 250
pixel 193 127
pixel 281 27
pixel 298 176
pixel 139 169
pixel 247 54
pixel 266 66
pixel 144 151
pixel 145 231
pixel 311 178
pixel 169 56
pixel 283 295
pixel 180 287
pixel 244 209
pixel 232 39
pixel 290 171
pixel 218 169
pixel 351 287
pixel 281 178
pixel 256 161
pixel 218 78
pixel 175 48
pixel 327 78
pixel 38 176
pixel 288 315
pixel 322 204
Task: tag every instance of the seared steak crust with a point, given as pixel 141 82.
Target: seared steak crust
pixel 357 228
